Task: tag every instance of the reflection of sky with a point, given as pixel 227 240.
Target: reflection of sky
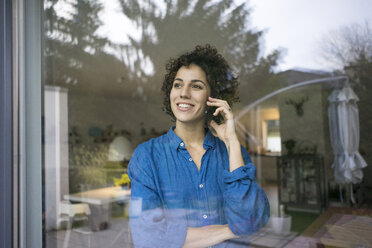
pixel 117 25
pixel 298 25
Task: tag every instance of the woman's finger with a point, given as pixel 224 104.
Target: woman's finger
pixel 211 99
pixel 219 104
pixel 218 110
pixel 215 99
pixel 224 111
pixel 215 103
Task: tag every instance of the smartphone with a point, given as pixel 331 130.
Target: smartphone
pixel 209 115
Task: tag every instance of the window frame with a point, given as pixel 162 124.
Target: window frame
pixel 26 108
pixel 6 142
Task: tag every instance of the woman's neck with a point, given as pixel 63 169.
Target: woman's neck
pixel 190 134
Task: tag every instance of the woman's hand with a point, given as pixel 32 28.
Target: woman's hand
pixel 226 130
pixel 208 235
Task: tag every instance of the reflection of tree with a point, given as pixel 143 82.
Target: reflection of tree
pixel 361 78
pixel 84 24
pixel 350 48
pixel 347 45
pixel 74 53
pixel 184 24
pixel 69 40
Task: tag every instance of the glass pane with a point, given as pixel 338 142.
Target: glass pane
pixel 104 68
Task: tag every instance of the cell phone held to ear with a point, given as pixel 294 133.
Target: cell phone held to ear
pixel 209 116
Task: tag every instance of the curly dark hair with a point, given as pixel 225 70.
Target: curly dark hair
pixel 221 79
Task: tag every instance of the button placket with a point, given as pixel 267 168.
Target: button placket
pixel 202 190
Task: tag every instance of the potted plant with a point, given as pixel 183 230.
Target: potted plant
pixel 124 181
pixel 289 145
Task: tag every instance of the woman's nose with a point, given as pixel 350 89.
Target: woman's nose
pixel 185 92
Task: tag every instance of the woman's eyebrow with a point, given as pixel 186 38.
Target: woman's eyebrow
pixel 193 81
pixel 198 80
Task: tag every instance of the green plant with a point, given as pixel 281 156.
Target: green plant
pixel 289 145
pixel 87 166
pixel 124 180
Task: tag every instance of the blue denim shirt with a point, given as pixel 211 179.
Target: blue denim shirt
pixel 169 193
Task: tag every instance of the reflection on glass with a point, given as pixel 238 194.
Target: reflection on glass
pixel 102 99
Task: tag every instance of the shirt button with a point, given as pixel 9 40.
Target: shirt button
pixel 205 216
pixel 201 185
pixel 182 144
pixel 190 159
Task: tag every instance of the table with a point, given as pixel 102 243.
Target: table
pixel 100 196
pixel 99 201
pixel 339 227
pixel 265 238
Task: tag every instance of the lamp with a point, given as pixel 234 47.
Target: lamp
pixel 120 149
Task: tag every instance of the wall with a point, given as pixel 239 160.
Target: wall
pixel 86 111
pixel 312 128
pixel 308 128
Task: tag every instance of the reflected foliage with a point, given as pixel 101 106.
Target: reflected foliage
pixel 168 28
pixel 361 79
pixel 77 58
pixel 87 166
pixel 74 54
pixel 347 45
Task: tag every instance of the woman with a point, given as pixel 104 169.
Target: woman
pixel 194 189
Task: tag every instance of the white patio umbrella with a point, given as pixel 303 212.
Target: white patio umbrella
pixel 343 117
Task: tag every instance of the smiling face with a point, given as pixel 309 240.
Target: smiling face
pixel 189 95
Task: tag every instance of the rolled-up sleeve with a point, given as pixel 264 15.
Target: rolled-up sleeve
pixel 151 225
pixel 245 203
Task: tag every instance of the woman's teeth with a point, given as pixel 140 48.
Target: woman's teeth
pixel 182 105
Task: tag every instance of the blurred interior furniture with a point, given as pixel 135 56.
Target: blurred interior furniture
pixel 120 149
pixel 56 164
pixel 99 201
pixel 301 182
pixel 268 166
pixel 265 238
pixel 71 213
pixel 338 227
pixel 114 169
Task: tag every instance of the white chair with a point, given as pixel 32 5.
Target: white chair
pixel 71 213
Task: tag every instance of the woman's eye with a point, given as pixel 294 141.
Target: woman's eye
pixel 196 86
pixel 176 85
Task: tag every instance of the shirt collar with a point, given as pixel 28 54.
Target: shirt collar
pixel 176 142
pixel 209 140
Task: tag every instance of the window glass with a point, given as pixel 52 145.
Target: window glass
pixel 306 130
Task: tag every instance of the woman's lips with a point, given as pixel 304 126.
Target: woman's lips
pixel 184 106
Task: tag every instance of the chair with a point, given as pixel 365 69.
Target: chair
pixel 71 213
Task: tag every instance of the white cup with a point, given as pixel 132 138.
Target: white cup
pixel 281 225
pixel 135 206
